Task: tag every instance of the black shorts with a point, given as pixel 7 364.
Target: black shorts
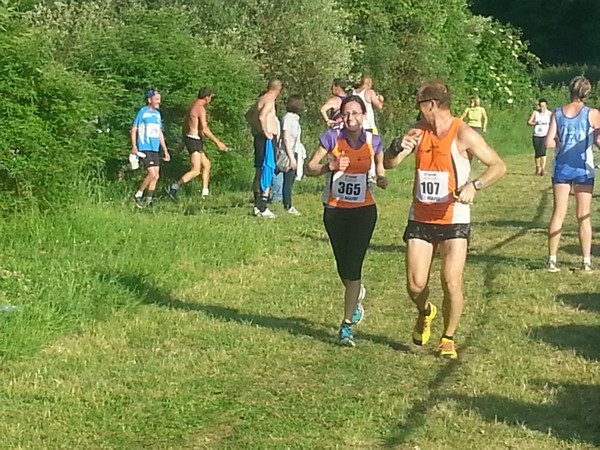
pixel 260 143
pixel 436 233
pixel 152 159
pixel 193 144
pixel 539 146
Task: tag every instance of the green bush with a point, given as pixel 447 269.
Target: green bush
pixel 131 56
pixel 404 44
pixel 74 73
pixel 45 111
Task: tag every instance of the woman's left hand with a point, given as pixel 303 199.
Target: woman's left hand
pixel 382 181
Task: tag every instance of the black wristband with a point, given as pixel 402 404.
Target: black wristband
pixel 394 149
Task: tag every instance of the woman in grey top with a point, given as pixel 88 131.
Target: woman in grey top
pixel 290 140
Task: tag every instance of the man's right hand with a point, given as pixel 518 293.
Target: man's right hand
pixel 222 147
pixel 411 140
pixel 135 151
pixel 268 135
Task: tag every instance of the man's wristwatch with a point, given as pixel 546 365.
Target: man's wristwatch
pixel 477 185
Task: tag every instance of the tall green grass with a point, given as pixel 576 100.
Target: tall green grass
pixel 196 325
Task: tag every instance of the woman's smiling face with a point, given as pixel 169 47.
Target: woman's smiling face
pixel 353 116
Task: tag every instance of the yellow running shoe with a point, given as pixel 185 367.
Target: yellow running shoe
pixel 422 330
pixel 447 349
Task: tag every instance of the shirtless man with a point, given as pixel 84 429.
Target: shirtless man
pixel 338 90
pixel 367 94
pixel 195 128
pixel 263 122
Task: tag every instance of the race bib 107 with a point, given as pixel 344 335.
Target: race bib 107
pixel 432 186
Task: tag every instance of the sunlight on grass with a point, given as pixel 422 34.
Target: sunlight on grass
pixel 196 325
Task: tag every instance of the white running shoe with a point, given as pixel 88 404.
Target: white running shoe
pixel 267 213
pixel 293 211
pixel 362 293
pixel 553 267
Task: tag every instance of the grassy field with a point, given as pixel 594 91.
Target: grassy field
pixel 195 325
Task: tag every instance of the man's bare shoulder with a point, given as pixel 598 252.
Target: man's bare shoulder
pixel 468 139
pixel 464 131
pixel 196 107
pixel 265 100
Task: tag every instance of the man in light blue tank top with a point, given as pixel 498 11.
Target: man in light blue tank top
pixel 146 140
pixel 573 130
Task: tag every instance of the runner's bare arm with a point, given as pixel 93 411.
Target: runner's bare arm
pixel 163 144
pixel 485 120
pixel 401 148
pixel 470 141
pixel 329 104
pixel 314 168
pixel 531 121
pixel 551 136
pixel 376 100
pixel 382 181
pixel 133 137
pixel 206 131
pixel 595 122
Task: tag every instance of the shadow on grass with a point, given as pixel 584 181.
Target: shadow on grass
pixel 416 417
pixel 572 415
pixel 526 227
pixel 574 249
pixel 297 326
pixel 583 339
pixel 586 300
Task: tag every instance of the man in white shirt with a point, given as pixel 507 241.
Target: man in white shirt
pixel 371 98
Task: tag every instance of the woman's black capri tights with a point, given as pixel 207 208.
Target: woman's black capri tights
pixel 350 231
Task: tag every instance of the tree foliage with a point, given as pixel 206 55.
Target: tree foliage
pixel 73 73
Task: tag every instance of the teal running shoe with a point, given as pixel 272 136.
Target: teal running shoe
pixel 345 337
pixel 359 314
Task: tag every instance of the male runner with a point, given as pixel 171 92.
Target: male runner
pixel 146 140
pixel 195 128
pixel 367 94
pixel 440 213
